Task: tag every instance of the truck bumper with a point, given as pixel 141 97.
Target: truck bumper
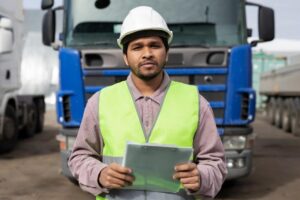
pixel 66 139
pixel 234 172
pixel 64 164
pixel 239 164
pixel 238 158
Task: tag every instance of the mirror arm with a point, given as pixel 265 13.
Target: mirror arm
pixel 255 42
pixel 253 4
pixel 58 8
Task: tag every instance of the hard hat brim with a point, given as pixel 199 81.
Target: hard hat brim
pixel 145 33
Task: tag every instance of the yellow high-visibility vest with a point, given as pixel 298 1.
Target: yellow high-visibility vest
pixel 119 120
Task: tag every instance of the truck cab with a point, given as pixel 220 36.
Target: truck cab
pixel 20 114
pixel 209 50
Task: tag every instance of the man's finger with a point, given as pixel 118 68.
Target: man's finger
pixel 121 176
pixel 190 180
pixel 193 186
pixel 185 167
pixel 120 168
pixel 186 174
pixel 111 177
pixel 116 182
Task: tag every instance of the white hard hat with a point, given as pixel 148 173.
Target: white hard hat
pixel 143 18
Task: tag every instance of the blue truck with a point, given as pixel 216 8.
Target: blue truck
pixel 210 49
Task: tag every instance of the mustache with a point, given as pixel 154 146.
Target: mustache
pixel 147 62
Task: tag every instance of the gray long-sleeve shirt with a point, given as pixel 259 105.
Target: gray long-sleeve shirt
pixel 85 161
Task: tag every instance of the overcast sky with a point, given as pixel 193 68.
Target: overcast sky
pixel 36 4
pixel 287 16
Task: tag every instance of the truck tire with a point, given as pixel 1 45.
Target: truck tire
pixel 40 110
pixel 295 118
pixel 286 114
pixel 271 105
pixel 10 130
pixel 278 112
pixel 29 128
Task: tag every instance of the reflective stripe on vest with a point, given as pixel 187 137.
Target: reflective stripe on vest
pixel 119 122
pixel 142 195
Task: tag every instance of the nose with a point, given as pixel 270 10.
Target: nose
pixel 147 53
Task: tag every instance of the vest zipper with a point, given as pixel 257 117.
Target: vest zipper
pixel 147 137
pixel 156 117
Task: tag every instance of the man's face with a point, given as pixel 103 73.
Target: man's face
pixel 146 57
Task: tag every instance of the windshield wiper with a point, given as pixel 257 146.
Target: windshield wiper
pixel 189 45
pixel 104 43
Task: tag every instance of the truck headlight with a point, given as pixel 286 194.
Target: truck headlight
pixel 234 142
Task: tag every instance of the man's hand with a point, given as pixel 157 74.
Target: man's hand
pixel 115 176
pixel 188 175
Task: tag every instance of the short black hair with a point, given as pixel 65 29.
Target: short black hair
pixel 163 35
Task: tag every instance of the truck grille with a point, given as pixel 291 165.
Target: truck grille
pixel 66 108
pixel 245 107
pixel 210 82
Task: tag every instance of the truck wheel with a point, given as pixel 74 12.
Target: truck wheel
pixel 40 110
pixel 286 115
pixel 30 126
pixel 278 112
pixel 271 111
pixel 295 118
pixel 10 133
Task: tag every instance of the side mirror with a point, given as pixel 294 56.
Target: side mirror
pixel 49 25
pixel 266 25
pixel 6 35
pixel 47 4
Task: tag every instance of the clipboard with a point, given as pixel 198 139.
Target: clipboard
pixel 153 165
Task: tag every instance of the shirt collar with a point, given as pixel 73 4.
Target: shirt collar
pixel 157 95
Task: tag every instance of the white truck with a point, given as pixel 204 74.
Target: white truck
pixel 281 87
pixel 19 114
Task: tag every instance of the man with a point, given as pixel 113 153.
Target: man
pixel 147 107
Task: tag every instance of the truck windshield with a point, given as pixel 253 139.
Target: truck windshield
pixel 193 22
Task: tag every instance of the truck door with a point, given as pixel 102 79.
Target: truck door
pixel 7 60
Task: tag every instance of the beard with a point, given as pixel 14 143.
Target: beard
pixel 151 76
pixel 147 77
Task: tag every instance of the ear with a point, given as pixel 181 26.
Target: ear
pixel 167 57
pixel 125 59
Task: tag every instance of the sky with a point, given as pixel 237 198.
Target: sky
pixel 287 16
pixel 36 4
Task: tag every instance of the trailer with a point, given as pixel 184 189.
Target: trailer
pixel 19 114
pixel 282 92
pixel 209 50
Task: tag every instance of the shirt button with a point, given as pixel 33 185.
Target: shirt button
pixel 147 98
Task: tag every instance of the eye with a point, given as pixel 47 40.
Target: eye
pixel 156 45
pixel 136 48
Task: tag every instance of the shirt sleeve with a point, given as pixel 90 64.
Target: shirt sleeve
pixel 85 160
pixel 209 152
